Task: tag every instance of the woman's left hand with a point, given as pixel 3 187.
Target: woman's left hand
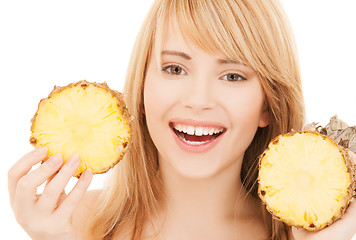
pixel 342 229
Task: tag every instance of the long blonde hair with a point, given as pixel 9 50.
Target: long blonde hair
pixel 254 32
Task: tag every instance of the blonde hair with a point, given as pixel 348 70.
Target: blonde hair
pixel 254 32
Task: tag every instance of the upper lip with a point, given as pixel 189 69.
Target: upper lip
pixel 196 123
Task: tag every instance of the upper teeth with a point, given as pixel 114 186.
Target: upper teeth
pixel 198 131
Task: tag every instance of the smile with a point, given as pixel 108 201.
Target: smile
pixel 196 136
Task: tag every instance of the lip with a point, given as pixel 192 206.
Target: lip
pixel 196 148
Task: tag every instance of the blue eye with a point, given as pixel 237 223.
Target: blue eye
pixel 174 70
pixel 233 77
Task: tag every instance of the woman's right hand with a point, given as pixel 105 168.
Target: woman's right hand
pixel 48 215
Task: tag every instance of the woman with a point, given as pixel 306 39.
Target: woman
pixel 210 83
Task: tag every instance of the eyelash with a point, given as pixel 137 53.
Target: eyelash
pixel 168 69
pixel 237 76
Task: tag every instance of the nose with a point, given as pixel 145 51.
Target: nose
pixel 199 94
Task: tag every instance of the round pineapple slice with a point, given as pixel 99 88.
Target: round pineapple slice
pixel 305 180
pixel 83 118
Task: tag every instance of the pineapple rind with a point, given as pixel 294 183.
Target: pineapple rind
pixel 99 146
pixel 272 183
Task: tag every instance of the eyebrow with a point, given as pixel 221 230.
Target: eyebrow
pixel 186 56
pixel 229 61
pixel 176 53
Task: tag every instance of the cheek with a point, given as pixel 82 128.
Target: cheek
pixel 245 110
pixel 157 98
pixel 152 99
pixel 160 94
pixel 245 113
pixel 153 110
pixel 246 105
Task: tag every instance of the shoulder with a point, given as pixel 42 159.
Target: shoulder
pixel 82 211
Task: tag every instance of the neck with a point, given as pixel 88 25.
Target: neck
pixel 215 207
pixel 220 196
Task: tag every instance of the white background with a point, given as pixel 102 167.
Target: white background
pixel 47 43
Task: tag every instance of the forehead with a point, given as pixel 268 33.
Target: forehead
pixel 173 38
pixel 185 37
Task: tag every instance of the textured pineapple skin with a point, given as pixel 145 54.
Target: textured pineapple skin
pixel 289 220
pixel 121 106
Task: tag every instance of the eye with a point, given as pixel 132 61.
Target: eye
pixel 174 70
pixel 233 77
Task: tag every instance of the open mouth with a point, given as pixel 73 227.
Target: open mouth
pixel 196 136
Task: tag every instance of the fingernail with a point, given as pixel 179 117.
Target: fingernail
pixel 42 151
pixel 54 161
pixel 73 161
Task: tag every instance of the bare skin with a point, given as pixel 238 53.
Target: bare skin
pixel 212 208
pixel 187 225
pixel 195 223
pixel 49 215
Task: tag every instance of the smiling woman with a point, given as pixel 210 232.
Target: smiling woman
pixel 196 70
pixel 209 83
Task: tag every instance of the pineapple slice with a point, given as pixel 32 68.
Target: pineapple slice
pixel 83 118
pixel 306 179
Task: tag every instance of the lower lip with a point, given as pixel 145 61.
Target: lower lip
pixel 196 148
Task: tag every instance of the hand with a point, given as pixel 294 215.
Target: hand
pixel 49 215
pixel 342 229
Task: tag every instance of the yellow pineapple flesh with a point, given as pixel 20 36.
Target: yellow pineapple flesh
pixel 84 118
pixel 305 179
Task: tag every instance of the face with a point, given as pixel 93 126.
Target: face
pixel 202 110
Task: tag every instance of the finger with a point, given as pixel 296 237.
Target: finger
pixel 22 167
pixel 63 194
pixel 50 179
pixel 73 199
pixel 62 197
pixel 50 196
pixel 26 186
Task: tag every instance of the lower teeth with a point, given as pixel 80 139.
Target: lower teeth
pixel 192 143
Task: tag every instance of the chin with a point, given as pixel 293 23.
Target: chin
pixel 199 167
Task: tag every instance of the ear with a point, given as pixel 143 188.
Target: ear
pixel 265 116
